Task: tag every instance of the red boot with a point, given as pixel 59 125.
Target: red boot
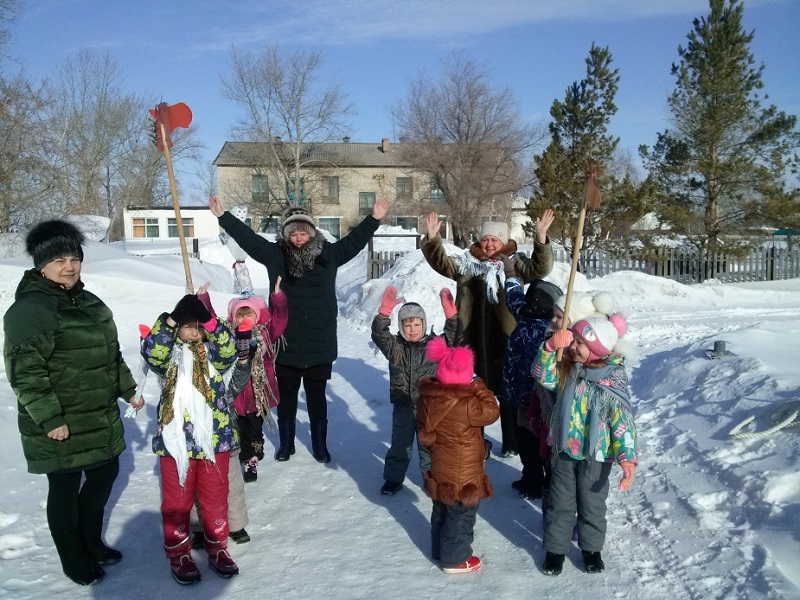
pixel 183 569
pixel 219 559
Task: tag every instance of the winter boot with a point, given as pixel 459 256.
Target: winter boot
pixel 240 537
pixel 183 569
pixel 286 429
pixel 473 563
pixel 390 488
pixel 553 563
pixel 219 559
pixel 319 436
pixel 250 469
pixel 198 540
pixel 593 562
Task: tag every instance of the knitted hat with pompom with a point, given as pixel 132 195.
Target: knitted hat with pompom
pixel 453 365
pixel 601 334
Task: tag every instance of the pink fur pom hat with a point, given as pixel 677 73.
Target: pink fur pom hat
pixel 601 334
pixel 254 303
pixel 453 365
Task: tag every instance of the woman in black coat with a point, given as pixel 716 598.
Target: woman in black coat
pixel 307 265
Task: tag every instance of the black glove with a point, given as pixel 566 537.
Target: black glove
pixel 244 336
pixel 508 266
pixel 190 307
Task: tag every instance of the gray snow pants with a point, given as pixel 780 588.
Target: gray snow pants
pixel 576 486
pixel 452 532
pixel 398 457
pixel 237 508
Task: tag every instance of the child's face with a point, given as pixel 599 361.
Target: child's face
pixel 578 351
pixel 412 329
pixel 558 318
pixel 191 331
pixel 245 312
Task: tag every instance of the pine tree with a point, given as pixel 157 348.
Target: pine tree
pixel 579 138
pixel 720 169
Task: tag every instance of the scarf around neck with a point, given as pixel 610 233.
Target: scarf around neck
pixel 489 269
pixel 300 260
pixel 187 393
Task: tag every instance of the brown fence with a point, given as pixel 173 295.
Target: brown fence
pixel 682 265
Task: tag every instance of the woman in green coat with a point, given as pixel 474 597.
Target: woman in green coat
pixel 64 364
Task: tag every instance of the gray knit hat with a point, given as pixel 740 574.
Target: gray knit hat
pixel 49 240
pixel 296 218
pixel 410 310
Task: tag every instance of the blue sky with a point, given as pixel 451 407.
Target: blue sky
pixel 177 50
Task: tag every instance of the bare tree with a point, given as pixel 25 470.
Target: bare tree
pixel 288 108
pixel 100 152
pixel 22 189
pixel 469 137
pixel 10 11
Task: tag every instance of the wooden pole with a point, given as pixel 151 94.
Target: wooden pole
pixel 177 208
pixel 591 195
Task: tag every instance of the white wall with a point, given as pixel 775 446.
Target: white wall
pixel 205 223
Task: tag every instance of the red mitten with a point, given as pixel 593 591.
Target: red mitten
pixel 560 339
pixel 447 303
pixel 389 301
pixel 628 469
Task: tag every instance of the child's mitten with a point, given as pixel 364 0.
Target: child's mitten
pixel 244 333
pixel 560 339
pixel 389 301
pixel 628 469
pixel 447 303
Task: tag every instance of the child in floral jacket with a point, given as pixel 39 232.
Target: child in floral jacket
pixel 591 428
pixel 189 350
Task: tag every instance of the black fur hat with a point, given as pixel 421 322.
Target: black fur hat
pixel 49 240
pixel 296 218
pixel 540 299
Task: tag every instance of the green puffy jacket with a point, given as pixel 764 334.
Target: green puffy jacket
pixel 64 364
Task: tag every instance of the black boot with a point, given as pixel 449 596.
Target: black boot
pixel 319 436
pixel 286 433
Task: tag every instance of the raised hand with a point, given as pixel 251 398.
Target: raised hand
pixel 388 301
pixel 203 289
pixel 277 284
pixel 542 224
pixel 379 208
pixel 244 333
pixel 215 206
pixel 447 303
pixel 432 224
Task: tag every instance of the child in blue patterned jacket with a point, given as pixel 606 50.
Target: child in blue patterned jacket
pixel 190 350
pixel 591 428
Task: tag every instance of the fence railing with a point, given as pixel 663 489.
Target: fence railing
pixel 682 265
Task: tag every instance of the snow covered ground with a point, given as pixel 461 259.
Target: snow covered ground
pixel 707 516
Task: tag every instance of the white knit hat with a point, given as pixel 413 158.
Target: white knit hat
pixel 496 229
pixel 601 334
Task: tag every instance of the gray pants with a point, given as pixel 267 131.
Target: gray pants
pixel 452 532
pixel 398 457
pixel 576 486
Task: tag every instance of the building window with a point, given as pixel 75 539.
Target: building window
pixel 405 188
pixel 330 190
pixel 410 223
pixel 365 202
pixel 329 224
pixel 300 191
pixel 437 195
pixel 269 225
pixel 259 188
pixel 145 227
pixel 188 227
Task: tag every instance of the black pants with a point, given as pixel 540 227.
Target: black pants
pixel 452 532
pixel 532 464
pixel 252 436
pixel 315 381
pixel 75 514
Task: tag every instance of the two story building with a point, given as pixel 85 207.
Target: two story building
pixel 339 184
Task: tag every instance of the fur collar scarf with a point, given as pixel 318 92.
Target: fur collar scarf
pixel 476 263
pixel 305 258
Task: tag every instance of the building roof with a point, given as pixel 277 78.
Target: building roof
pixel 334 154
